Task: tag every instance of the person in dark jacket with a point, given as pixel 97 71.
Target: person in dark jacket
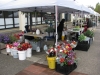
pixel 27 29
pixel 60 28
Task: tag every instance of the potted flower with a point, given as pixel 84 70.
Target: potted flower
pixel 13 38
pixel 83 43
pixel 89 34
pixel 50 31
pixel 22 51
pixel 8 48
pixel 14 50
pixel 29 50
pixel 51 57
pixel 6 40
pixel 81 37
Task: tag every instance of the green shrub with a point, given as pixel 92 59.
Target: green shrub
pixel 81 37
pixel 89 33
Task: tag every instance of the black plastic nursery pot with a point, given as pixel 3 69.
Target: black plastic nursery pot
pixel 83 46
pixel 65 69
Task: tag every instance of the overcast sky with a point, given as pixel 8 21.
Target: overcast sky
pixel 89 2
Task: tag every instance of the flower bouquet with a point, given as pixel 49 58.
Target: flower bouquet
pixel 51 52
pixel 73 44
pixel 14 50
pixel 8 47
pixel 22 51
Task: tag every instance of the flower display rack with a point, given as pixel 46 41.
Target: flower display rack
pixel 65 69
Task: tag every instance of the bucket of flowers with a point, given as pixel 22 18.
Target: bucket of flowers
pixel 8 48
pixel 22 51
pixel 66 59
pixel 29 50
pixel 51 57
pixel 14 50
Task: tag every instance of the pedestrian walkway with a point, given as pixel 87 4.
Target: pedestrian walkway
pixel 40 69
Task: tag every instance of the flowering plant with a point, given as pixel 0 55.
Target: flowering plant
pixel 51 52
pixel 4 38
pixel 73 44
pixel 29 45
pixel 12 38
pixel 22 47
pixel 16 44
pixel 66 56
pixel 21 34
pixel 9 45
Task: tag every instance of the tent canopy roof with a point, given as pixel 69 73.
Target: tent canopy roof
pixel 44 5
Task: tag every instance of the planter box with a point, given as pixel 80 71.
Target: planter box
pixel 66 69
pixel 84 46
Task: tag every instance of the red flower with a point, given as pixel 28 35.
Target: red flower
pixel 62 60
pixel 69 48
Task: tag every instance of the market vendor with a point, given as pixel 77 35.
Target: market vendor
pixel 60 29
pixel 27 29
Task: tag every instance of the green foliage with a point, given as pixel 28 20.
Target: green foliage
pixel 50 29
pixel 81 37
pixel 36 39
pixel 89 33
pixel 12 38
pixel 97 8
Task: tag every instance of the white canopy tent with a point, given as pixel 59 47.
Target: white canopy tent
pixel 44 5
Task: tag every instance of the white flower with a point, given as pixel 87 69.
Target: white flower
pixel 61 50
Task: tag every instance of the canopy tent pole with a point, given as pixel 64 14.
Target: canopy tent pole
pixel 30 21
pixel 41 16
pixel 81 17
pixel 35 17
pixel 56 16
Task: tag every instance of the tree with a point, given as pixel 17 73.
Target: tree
pixel 97 8
pixel 91 7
